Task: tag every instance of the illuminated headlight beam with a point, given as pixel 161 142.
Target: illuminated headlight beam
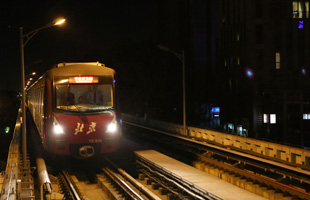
pixel 58 129
pixel 112 127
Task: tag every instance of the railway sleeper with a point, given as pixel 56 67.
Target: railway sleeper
pixel 68 186
pixel 172 189
pixel 243 182
pixel 162 191
pixel 105 184
pixel 127 191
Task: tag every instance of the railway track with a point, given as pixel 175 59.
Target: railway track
pixel 68 186
pixel 110 182
pixel 166 182
pixel 78 184
pixel 121 186
pixel 135 178
pixel 238 169
pixel 153 181
pixel 75 180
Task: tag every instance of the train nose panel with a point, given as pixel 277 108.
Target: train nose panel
pixel 86 151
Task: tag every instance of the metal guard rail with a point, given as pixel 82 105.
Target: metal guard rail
pixel 281 153
pixel 9 187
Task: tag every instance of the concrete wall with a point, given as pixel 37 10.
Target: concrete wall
pixel 278 151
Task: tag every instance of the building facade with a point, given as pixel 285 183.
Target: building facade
pixel 264 62
pixel 251 58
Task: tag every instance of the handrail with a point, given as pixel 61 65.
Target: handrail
pixel 9 185
pixel 250 145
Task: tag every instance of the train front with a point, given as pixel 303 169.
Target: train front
pixel 85 121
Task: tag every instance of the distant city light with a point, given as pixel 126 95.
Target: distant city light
pixel 306 116
pixel 266 118
pixel 273 119
pixel 7 129
pixel 301 24
pixel 215 110
pixel 249 73
pixel 303 71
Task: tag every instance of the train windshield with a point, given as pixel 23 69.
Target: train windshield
pixel 84 97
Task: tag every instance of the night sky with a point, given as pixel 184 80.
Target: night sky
pixel 124 35
pixel 91 30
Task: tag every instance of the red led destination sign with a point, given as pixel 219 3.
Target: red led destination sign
pixel 83 79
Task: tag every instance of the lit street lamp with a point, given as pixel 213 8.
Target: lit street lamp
pixel 29 80
pixel 32 74
pixel 182 59
pixel 27 37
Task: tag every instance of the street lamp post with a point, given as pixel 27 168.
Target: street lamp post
pixel 181 57
pixel 28 36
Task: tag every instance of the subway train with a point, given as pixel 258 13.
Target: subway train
pixel 75 109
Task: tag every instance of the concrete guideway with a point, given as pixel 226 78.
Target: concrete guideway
pixel 296 159
pixel 17 180
pixel 209 183
pixel 259 183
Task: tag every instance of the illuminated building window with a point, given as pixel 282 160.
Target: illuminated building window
pixel 278 60
pixel 273 119
pixel 300 9
pixel 266 118
pixel 215 110
pixel 306 116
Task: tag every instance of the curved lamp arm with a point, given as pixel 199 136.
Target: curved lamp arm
pixel 30 35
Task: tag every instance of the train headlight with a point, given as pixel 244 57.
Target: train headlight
pixel 58 129
pixel 112 127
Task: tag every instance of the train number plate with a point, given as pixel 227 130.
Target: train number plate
pixel 95 140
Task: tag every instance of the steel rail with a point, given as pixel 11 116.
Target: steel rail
pixel 135 183
pixel 192 189
pixel 70 186
pixel 132 194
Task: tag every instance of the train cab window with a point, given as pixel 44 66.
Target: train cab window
pixel 84 97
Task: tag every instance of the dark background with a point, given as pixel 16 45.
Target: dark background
pixel 119 34
pixel 221 40
pixel 92 30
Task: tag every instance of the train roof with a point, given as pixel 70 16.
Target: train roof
pixel 76 69
pixel 63 64
pixel 83 68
